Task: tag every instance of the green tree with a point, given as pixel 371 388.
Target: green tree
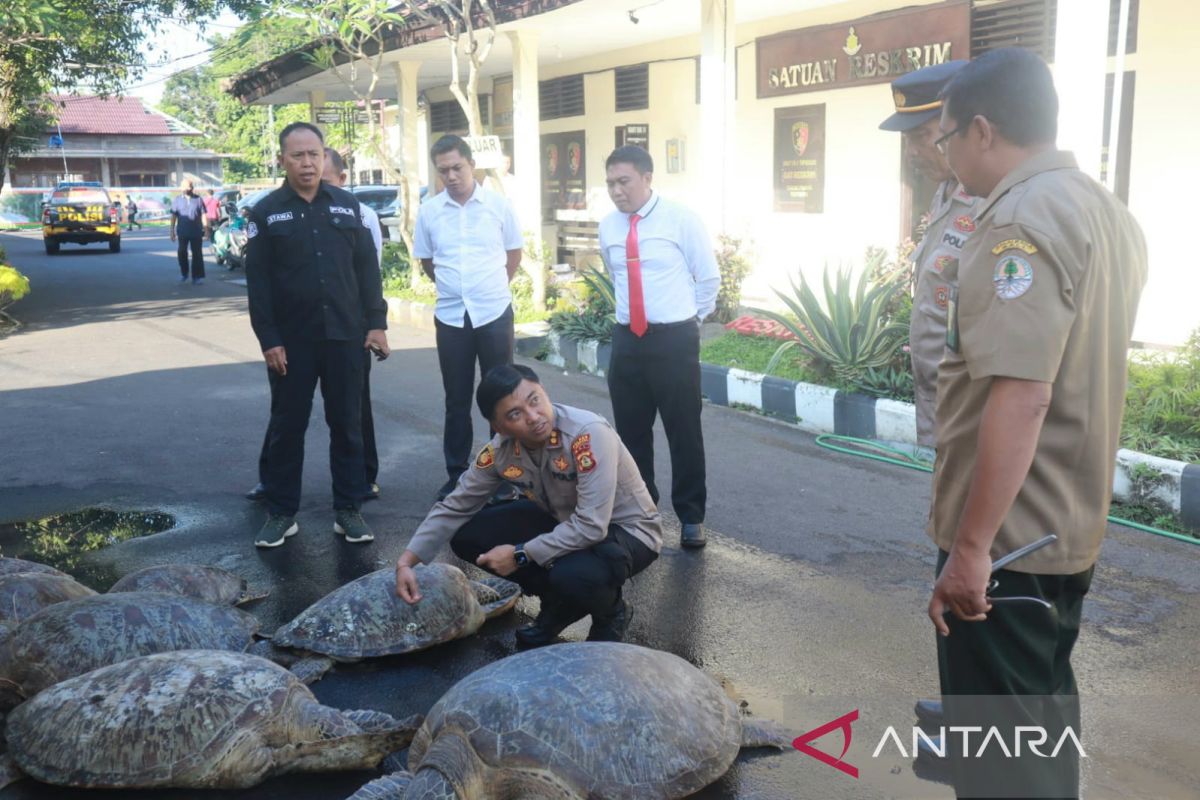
pixel 95 45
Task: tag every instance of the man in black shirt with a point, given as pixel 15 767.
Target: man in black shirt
pixel 316 302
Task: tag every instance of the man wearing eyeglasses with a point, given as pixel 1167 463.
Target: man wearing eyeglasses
pixel 949 224
pixel 1030 394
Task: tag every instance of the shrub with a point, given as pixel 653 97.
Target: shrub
pixel 1162 405
pixel 13 285
pixel 734 268
pixel 849 333
pixel 599 313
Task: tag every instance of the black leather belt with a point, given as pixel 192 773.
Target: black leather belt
pixel 662 326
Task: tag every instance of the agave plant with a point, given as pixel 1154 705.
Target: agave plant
pixel 601 283
pixel 851 331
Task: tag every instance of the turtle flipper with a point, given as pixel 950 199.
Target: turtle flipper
pixel 389 787
pixel 370 720
pixel 249 595
pixel 311 669
pixel 764 733
pixel 496 595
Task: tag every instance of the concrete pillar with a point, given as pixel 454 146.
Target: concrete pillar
pixel 105 174
pixel 316 99
pixel 1080 66
pixel 527 149
pixel 410 155
pixel 718 54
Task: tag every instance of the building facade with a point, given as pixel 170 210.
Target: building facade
pixel 764 115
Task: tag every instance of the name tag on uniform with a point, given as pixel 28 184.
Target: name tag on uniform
pixel 282 216
pixel 341 210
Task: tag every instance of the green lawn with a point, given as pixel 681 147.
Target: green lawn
pixel 753 352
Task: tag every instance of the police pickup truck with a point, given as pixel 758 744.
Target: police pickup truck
pixel 80 212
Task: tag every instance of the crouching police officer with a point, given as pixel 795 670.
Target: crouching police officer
pixel 586 523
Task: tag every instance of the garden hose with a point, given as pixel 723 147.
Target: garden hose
pixel 890 455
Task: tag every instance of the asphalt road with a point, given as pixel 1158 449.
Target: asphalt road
pixel 128 389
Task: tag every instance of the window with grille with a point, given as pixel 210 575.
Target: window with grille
pixel 448 116
pixel 561 97
pixel 633 87
pixel 1031 24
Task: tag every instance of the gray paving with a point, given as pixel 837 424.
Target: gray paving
pixel 128 389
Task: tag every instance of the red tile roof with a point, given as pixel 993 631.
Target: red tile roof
pixel 115 115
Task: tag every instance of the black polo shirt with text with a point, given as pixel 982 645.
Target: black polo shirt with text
pixel 311 269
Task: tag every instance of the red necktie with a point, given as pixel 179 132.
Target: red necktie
pixel 633 263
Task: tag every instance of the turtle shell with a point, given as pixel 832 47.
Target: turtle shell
pixel 366 619
pixel 194 718
pixel 190 580
pixel 607 719
pixel 78 636
pixel 11 566
pixel 22 594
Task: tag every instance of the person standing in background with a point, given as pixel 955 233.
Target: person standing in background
pixel 469 244
pixel 666 279
pixel 189 224
pixel 316 304
pixel 212 211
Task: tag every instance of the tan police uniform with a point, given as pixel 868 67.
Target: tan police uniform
pixel 583 477
pixel 1048 290
pixel 951 221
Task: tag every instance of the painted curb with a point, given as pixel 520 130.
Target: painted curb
pixel 821 409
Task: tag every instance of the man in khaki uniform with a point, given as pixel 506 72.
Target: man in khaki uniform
pixel 950 223
pixel 1030 398
pixel 586 523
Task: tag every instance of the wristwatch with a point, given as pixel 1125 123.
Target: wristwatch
pixel 521 557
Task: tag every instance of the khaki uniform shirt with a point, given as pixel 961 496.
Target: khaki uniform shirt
pixel 583 477
pixel 951 221
pixel 1048 289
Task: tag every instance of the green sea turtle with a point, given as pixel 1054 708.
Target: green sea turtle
pixel 22 594
pixel 78 636
pixel 213 584
pixel 10 566
pixel 365 619
pixel 192 719
pixel 577 721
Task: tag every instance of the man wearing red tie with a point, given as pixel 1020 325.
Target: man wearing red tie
pixel 665 277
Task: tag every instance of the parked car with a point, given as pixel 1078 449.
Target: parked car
pixel 81 212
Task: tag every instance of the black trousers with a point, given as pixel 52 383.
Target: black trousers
pixel 338 367
pixel 585 581
pixel 370 452
pixel 1015 669
pixel 196 244
pixel 133 221
pixel 659 374
pixel 458 350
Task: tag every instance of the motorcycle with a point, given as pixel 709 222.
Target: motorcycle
pixel 229 241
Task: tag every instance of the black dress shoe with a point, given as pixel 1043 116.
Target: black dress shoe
pixel 929 712
pixel 929 765
pixel 692 535
pixel 611 628
pixel 551 621
pixel 259 492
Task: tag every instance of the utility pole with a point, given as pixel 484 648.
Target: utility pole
pixel 271 138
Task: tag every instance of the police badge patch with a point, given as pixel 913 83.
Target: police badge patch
pixel 486 458
pixel 251 230
pixel 1012 277
pixel 561 464
pixel 512 472
pixel 964 224
pixel 585 461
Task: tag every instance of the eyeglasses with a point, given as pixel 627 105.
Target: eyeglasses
pixel 941 142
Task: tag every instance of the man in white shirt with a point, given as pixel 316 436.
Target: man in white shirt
pixel 665 278
pixel 335 173
pixel 469 244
